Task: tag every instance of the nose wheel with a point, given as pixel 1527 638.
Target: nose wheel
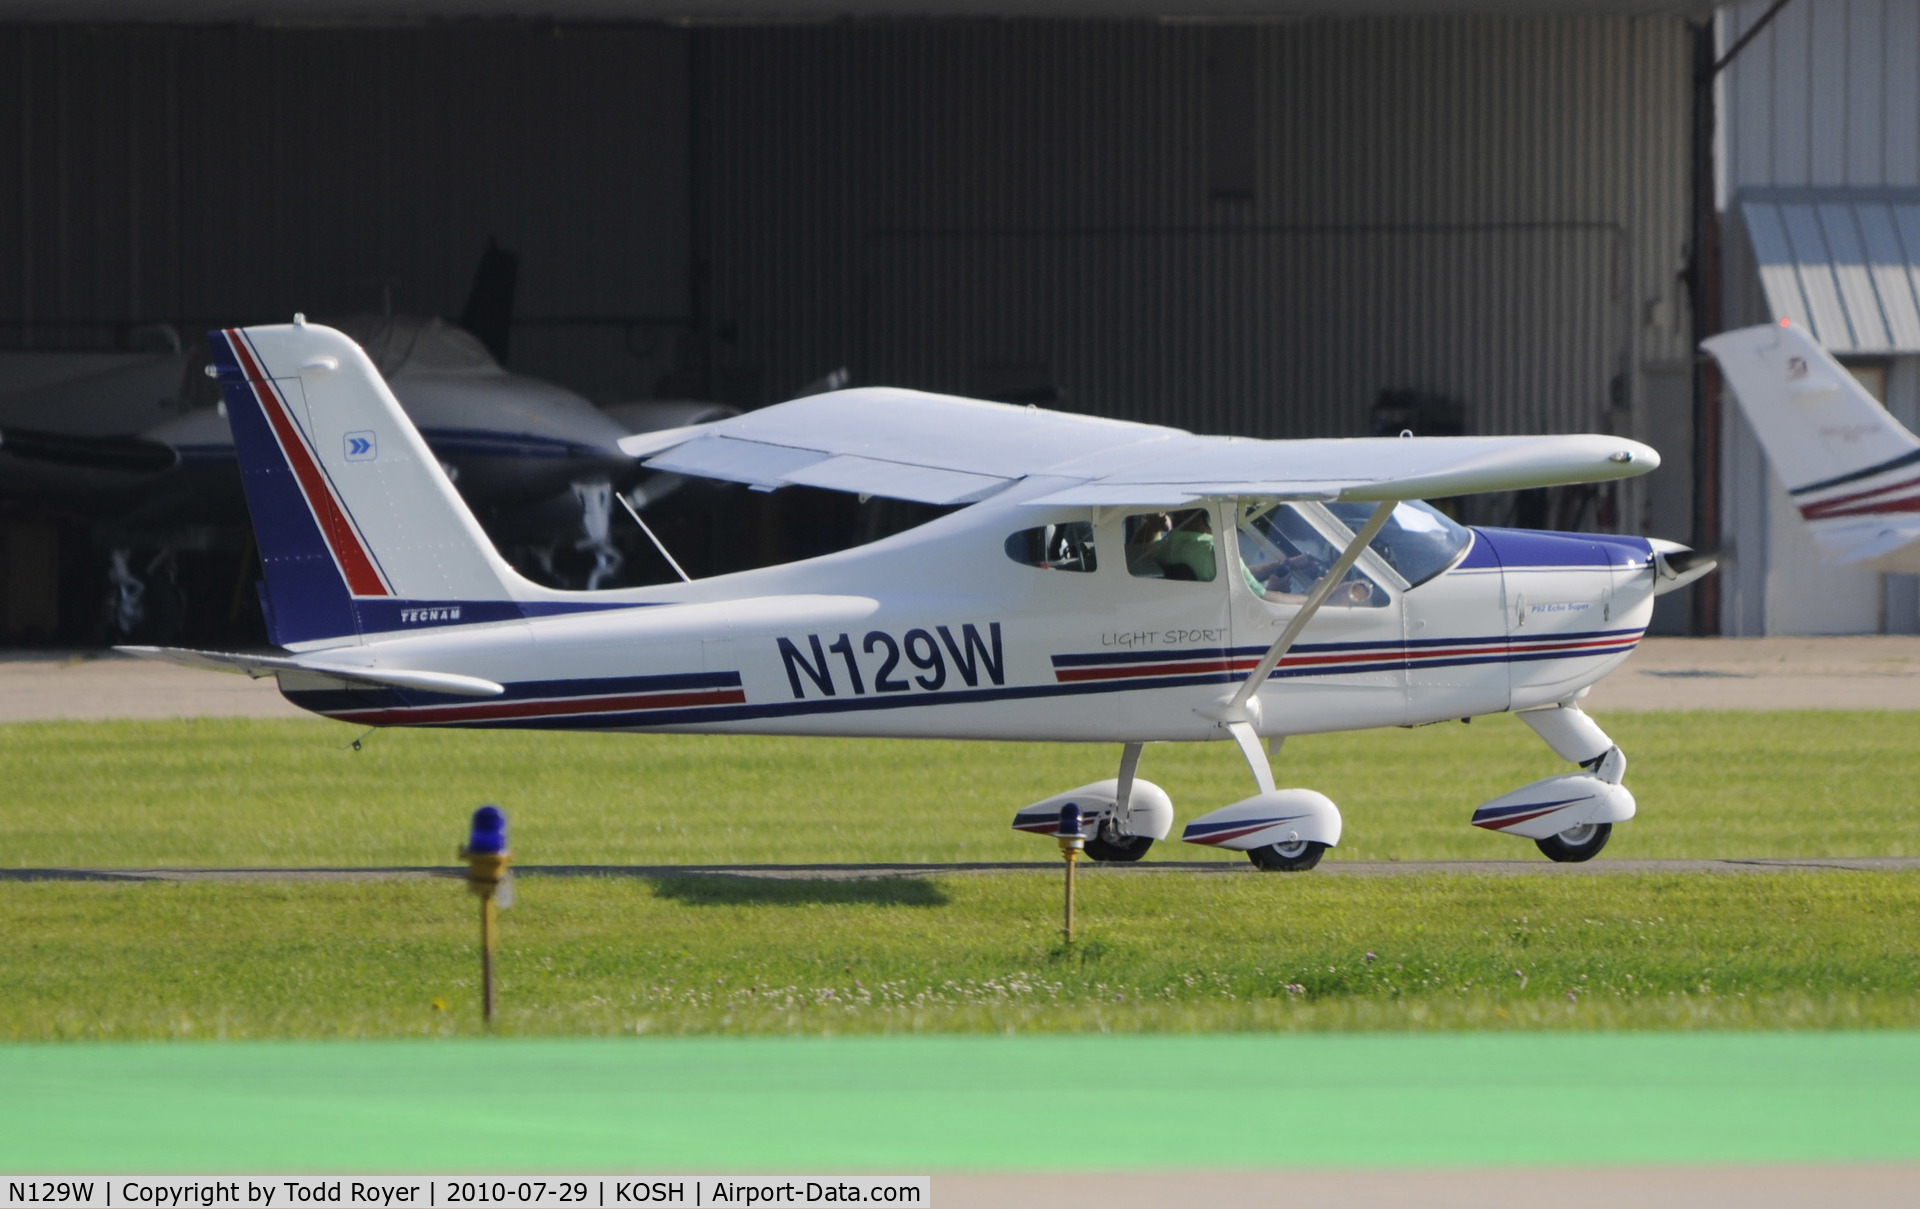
pixel 1111 845
pixel 1296 857
pixel 1576 844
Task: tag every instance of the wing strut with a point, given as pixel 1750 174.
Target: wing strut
pixel 1317 597
pixel 635 514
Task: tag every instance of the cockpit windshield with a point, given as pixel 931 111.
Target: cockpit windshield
pixel 1419 541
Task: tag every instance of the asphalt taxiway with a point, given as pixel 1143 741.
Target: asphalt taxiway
pixel 870 872
pixel 1854 672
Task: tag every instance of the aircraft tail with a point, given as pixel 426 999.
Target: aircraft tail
pixel 360 531
pixel 1839 452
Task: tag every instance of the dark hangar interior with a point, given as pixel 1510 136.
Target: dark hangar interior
pixel 1276 219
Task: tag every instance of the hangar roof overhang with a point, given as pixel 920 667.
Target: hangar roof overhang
pixel 700 12
pixel 1842 263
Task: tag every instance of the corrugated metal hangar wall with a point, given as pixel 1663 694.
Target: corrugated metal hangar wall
pixel 1234 228
pixel 1237 228
pixel 1246 230
pixel 239 174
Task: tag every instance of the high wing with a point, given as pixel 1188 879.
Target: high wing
pixel 937 449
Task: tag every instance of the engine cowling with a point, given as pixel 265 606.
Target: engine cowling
pixel 1150 812
pixel 1285 816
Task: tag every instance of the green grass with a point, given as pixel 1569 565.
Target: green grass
pixel 231 792
pixel 1164 953
pixel 1161 953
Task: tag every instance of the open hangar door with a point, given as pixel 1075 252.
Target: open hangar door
pixel 1235 228
pixel 163 179
pixel 1231 228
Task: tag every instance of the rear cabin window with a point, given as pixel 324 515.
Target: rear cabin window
pixel 1418 540
pixel 1063 547
pixel 1171 545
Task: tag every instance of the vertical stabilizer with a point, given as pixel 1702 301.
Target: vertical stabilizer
pixel 1851 469
pixel 360 531
pixel 1820 427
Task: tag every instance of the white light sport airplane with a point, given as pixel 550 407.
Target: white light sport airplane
pixel 1104 582
pixel 1851 468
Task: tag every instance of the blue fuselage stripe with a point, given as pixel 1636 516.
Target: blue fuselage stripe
pixel 327 701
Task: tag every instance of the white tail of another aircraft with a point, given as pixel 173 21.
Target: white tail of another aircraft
pixel 360 531
pixel 1850 467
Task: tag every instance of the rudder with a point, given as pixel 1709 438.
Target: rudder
pixel 360 531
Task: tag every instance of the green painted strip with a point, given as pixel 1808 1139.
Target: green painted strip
pixel 918 1104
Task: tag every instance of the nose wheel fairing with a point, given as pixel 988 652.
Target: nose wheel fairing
pixel 1118 833
pixel 1569 817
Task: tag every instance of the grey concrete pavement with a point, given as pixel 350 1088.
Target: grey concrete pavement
pixel 1854 672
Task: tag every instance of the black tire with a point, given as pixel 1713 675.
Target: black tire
pixel 1121 848
pixel 1297 857
pixel 1588 839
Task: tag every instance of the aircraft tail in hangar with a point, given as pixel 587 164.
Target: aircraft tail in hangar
pixel 1851 469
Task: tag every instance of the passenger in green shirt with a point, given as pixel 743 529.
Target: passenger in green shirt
pixel 1187 552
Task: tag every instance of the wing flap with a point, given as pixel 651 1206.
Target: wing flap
pixel 754 463
pixel 896 480
pixel 1174 495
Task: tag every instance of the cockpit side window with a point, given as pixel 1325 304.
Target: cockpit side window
pixel 1063 547
pixel 1419 541
pixel 1171 545
pixel 1282 555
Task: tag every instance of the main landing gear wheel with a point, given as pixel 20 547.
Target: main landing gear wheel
pixel 1581 843
pixel 1110 845
pixel 1296 857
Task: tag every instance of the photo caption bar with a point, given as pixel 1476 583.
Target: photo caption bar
pixel 459 1191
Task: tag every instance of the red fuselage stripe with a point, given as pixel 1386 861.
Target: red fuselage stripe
pixel 504 710
pixel 1359 661
pixel 349 554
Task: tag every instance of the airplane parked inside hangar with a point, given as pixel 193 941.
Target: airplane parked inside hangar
pixel 1104 582
pixel 536 455
pixel 1851 469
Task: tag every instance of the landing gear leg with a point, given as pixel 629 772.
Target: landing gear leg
pixel 1576 737
pixel 1116 841
pixel 1294 856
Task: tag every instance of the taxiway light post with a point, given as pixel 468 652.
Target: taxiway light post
pixel 487 859
pixel 1073 841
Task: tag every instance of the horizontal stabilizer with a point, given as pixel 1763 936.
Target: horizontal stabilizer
pixel 272 665
pixel 1878 546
